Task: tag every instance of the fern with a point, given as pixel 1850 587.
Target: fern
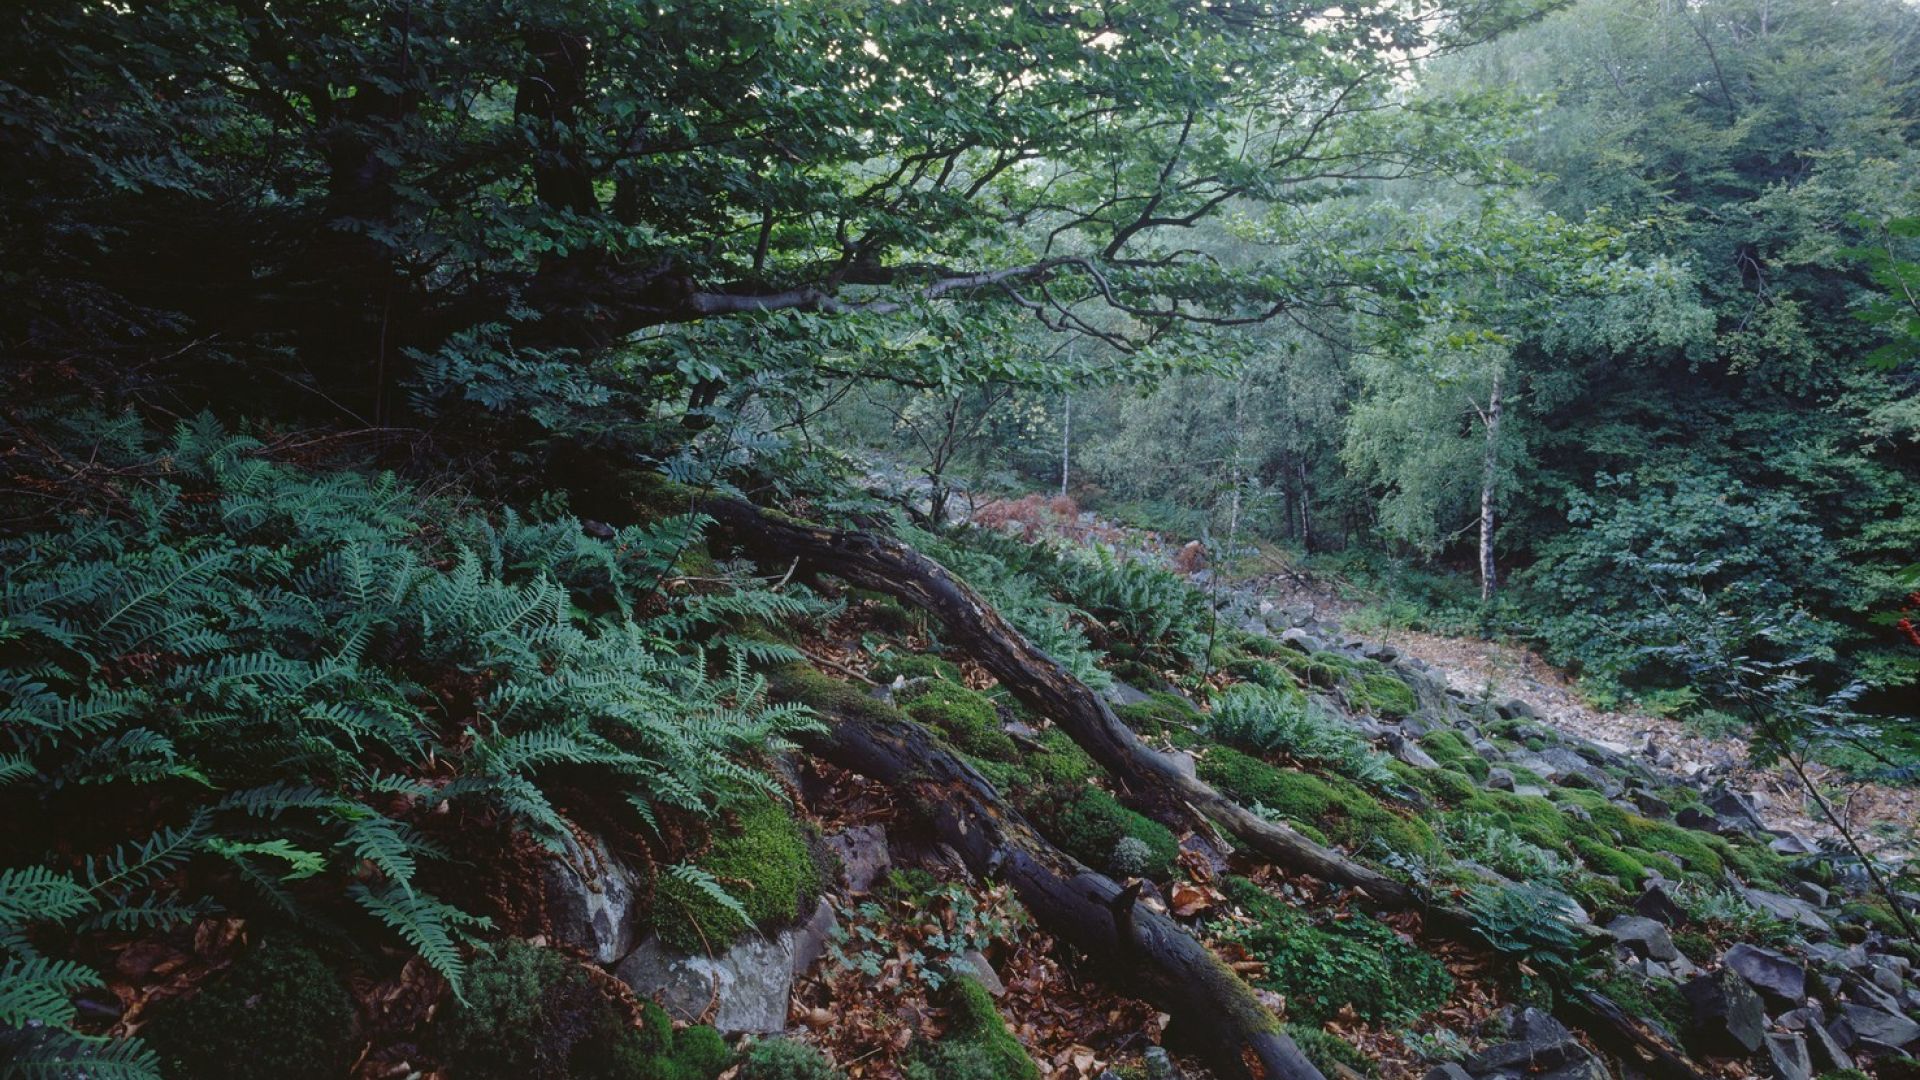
pixel 427 924
pixel 53 1054
pixel 39 990
pixel 37 894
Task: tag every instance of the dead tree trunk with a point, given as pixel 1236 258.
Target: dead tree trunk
pixel 1146 776
pixel 1154 958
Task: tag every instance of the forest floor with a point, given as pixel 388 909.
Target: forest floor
pixel 1883 817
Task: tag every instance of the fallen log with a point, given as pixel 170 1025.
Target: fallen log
pixel 1213 1009
pixel 1145 775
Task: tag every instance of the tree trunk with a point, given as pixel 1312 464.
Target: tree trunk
pixel 1066 440
pixel 1148 954
pixel 1489 475
pixel 1146 777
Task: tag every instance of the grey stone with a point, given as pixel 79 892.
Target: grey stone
pixel 863 854
pixel 750 982
pixel 1727 1015
pixel 1120 694
pixel 1887 979
pixel 1657 903
pixel 1409 751
pixel 1735 810
pixel 1382 653
pixel 1787 908
pixel 1826 1051
pixel 1539 1042
pixel 590 896
pixel 983 970
pixel 1448 1071
pixel 1585 1067
pixel 1880 1026
pixel 1160 1064
pixel 1515 709
pixel 1644 936
pixel 1787 1055
pixel 1499 779
pixel 1792 844
pixel 1780 978
pixel 1300 639
pixel 811 937
pixel 1813 893
pixel 1651 805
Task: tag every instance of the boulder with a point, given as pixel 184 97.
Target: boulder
pixel 1791 844
pixel 1880 1026
pixel 1585 1067
pixel 1827 1053
pixel 862 850
pixel 1499 779
pixel 1409 751
pixel 1781 979
pixel 1657 903
pixel 982 969
pixel 1539 1042
pixel 1515 709
pixel 1300 639
pixel 589 899
pixel 1727 1015
pixel 1448 1071
pixel 1120 694
pixel 1788 1059
pixel 1735 810
pixel 1787 908
pixel 1644 936
pixel 749 983
pixel 1651 805
pixel 810 938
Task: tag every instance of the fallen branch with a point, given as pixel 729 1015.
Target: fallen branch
pixel 1213 1009
pixel 1147 776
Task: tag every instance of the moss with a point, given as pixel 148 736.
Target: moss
pixel 1341 810
pixel 1159 713
pixel 1452 752
pixel 977 1045
pixel 1873 911
pixel 1534 819
pixel 1691 848
pixel 281 1012
pixel 1092 823
pixel 532 1014
pixel 784 1059
pixel 899 665
pixel 966 718
pixel 1380 694
pixel 1354 964
pixel 1658 999
pixel 763 861
pixel 1327 1050
pixel 1756 864
pixel 1612 862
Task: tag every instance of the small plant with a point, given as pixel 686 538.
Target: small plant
pixel 1268 721
pixel 758 873
pixel 281 1011
pixel 1480 839
pixel 977 1044
pixel 923 929
pixel 784 1059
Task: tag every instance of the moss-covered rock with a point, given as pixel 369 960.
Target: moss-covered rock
pixel 761 859
pixel 1452 752
pixel 281 1011
pixel 1090 825
pixel 1327 1050
pixel 1161 714
pixel 1340 810
pixel 967 719
pixel 906 665
pixel 533 1014
pixel 977 1045
pixel 1380 693
pixel 784 1059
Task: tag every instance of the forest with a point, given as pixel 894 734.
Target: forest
pixel 942 540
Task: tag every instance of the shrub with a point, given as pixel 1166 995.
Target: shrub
pixel 1267 721
pixel 1355 963
pixel 762 862
pixel 977 1045
pixel 280 1012
pixel 966 718
pixel 784 1059
pixel 1327 1050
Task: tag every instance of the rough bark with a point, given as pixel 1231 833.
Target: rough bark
pixel 1136 947
pixel 1146 776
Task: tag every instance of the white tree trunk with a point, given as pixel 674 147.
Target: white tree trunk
pixel 1489 475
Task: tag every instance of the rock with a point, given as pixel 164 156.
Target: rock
pixel 1539 1042
pixel 1301 640
pixel 1499 779
pixel 1657 903
pixel 1812 893
pixel 589 896
pixel 1735 810
pixel 1644 936
pixel 1160 1064
pixel 1880 1026
pixel 1121 694
pixel 1887 979
pixel 1409 751
pixel 983 970
pixel 1586 1067
pixel 1515 709
pixel 811 937
pixel 1827 1053
pixel 1651 805
pixel 1448 1071
pixel 1727 1015
pixel 1781 979
pixel 862 850
pixel 1787 908
pixel 751 982
pixel 1788 1058
pixel 1792 844
pixel 1385 654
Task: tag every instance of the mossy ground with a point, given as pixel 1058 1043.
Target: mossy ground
pixel 1329 806
pixel 282 1011
pixel 977 1044
pixel 533 1014
pixel 761 859
pixel 968 719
